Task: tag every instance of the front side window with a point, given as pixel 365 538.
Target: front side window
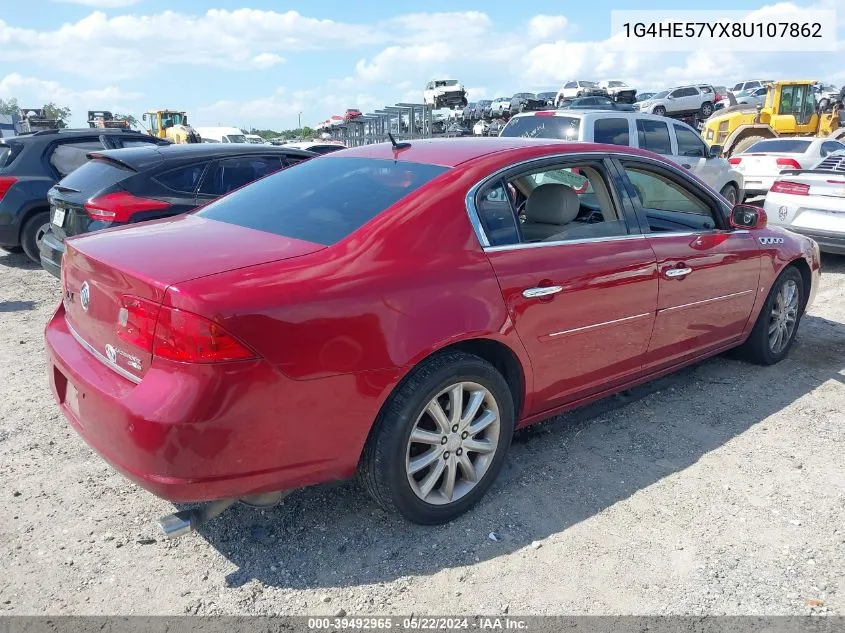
pixel 689 143
pixel 68 156
pixel 654 136
pixel 668 205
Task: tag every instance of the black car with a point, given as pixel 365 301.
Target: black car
pixel 547 97
pixel 32 163
pixel 146 183
pixel 458 129
pixel 525 102
pixel 594 103
pixel 466 114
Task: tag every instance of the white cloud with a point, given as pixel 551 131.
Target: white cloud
pixel 541 27
pixel 267 60
pixel 101 4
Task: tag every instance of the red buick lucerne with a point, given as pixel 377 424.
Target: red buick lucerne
pixel 397 311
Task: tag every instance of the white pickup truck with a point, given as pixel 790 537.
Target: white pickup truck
pixel 445 93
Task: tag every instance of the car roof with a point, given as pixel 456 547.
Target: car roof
pixel 451 152
pixel 141 158
pixel 50 135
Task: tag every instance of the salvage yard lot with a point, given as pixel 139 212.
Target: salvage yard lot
pixel 718 490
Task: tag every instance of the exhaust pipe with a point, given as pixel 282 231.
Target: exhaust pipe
pixel 181 523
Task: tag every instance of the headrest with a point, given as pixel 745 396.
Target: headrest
pixel 552 203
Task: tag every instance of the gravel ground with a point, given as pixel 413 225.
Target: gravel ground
pixel 718 490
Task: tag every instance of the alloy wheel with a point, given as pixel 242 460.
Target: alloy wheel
pixel 453 443
pixel 783 317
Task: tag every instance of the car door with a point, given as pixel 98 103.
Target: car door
pixel 691 153
pixel 708 273
pixel 653 135
pixel 581 292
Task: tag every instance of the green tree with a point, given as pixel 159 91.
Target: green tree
pixel 133 122
pixel 9 106
pixel 53 111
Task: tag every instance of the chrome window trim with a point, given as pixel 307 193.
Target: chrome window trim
pixel 602 324
pixel 691 233
pixel 100 357
pixel 478 228
pixel 589 240
pixel 703 301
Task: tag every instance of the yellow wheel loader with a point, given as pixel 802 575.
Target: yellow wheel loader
pixel 171 125
pixel 790 109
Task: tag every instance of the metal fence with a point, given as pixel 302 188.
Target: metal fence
pixel 406 121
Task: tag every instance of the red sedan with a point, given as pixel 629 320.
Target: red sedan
pixel 398 311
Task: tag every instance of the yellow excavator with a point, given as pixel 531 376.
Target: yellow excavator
pixel 171 125
pixel 790 109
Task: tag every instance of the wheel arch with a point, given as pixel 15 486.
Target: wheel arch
pixel 30 211
pixel 806 277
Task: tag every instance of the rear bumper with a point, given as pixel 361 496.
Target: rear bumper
pixel 828 241
pixel 200 433
pixel 51 252
pixel 10 235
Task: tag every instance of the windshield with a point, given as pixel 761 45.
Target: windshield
pixel 174 118
pixel 445 82
pixel 587 84
pixel 781 146
pixel 617 84
pixel 562 127
pixel 660 95
pixel 485 102
pixel 321 201
pixel 235 138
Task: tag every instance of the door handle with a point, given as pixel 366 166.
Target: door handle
pixel 678 272
pixel 541 291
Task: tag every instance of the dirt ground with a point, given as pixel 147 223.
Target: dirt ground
pixel 718 490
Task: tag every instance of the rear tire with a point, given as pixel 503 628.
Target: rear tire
pixel 745 143
pixel 32 232
pixel 392 467
pixel 730 193
pixel 776 326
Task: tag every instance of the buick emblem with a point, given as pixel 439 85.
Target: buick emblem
pixel 111 354
pixel 84 296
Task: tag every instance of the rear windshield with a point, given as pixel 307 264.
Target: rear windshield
pixel 321 201
pixel 95 175
pixel 563 127
pixel 781 146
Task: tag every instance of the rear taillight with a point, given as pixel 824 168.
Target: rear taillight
pixel 734 160
pixel 6 183
pixel 545 113
pixel 787 163
pixel 175 334
pixel 793 188
pixel 121 206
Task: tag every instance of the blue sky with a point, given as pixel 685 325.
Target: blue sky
pixel 262 62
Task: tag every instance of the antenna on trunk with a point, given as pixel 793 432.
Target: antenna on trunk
pixel 397 146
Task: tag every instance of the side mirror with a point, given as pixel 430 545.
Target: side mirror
pixel 716 151
pixel 746 216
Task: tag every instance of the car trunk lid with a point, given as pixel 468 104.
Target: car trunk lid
pixel 104 270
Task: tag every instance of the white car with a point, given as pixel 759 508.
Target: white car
pixel 254 139
pixel 761 163
pixel 618 90
pixel 750 84
pixel 444 93
pixel 499 106
pixel 680 100
pixel 675 140
pixel 812 203
pixel 577 88
pixel 755 97
pixel 480 128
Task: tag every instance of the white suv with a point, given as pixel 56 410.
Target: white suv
pixel 680 100
pixel 578 88
pixel 445 93
pixel 674 140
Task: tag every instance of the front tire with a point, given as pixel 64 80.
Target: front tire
pixel 659 111
pixel 32 232
pixel 706 109
pixel 775 328
pixel 441 439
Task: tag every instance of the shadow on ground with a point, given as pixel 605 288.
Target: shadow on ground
pixel 557 474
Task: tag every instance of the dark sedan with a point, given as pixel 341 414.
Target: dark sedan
pixel 525 102
pixel 146 183
pixel 594 103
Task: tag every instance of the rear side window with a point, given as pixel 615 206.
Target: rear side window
pixel 68 156
pixel 184 179
pixel 611 131
pixel 229 174
pixel 96 175
pixel 563 127
pixel 8 153
pixel 321 201
pixel 654 136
